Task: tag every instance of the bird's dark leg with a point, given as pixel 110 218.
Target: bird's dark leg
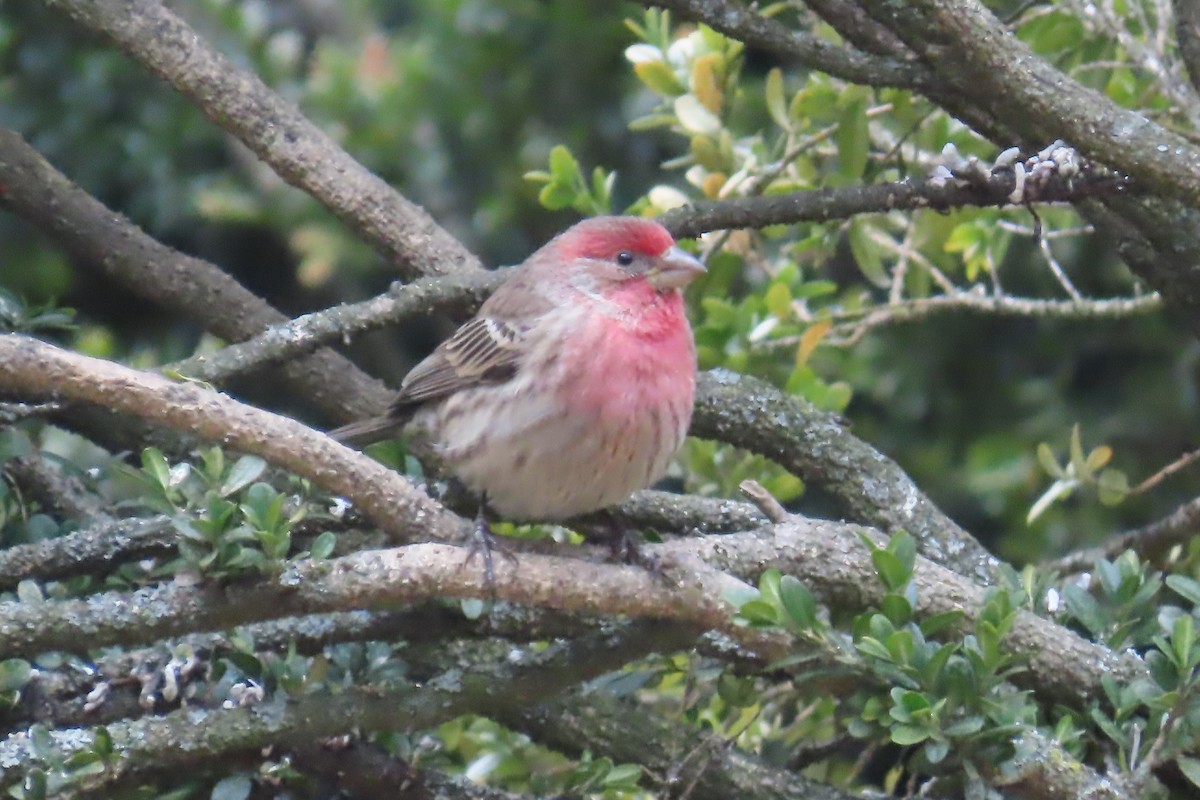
pixel 483 543
pixel 624 545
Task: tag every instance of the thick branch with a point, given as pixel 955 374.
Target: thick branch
pixel 40 371
pixel 969 48
pixel 302 154
pixel 829 557
pixel 1187 33
pixel 799 48
pixel 870 487
pixel 91 551
pixel 196 737
pixel 625 731
pixel 35 191
pixel 55 491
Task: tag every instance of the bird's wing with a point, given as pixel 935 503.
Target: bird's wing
pixel 484 350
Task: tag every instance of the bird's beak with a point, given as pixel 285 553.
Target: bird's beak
pixel 674 270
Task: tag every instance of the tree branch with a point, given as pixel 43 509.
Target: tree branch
pixel 627 731
pixel 275 130
pixel 56 492
pixel 195 737
pixel 1151 542
pixel 799 48
pixel 815 444
pixel 1187 33
pixel 821 205
pixel 41 371
pixel 32 189
pixel 968 47
pixel 829 557
pixel 95 550
pixel 305 334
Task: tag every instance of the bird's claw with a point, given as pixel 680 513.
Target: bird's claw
pixel 624 548
pixel 483 544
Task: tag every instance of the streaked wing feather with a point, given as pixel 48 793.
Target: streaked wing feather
pixel 484 350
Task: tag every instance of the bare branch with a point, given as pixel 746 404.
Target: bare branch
pixel 37 192
pixel 40 371
pixel 799 48
pixel 275 130
pixel 55 491
pixel 814 444
pixel 1152 542
pixel 627 731
pixel 196 737
pixel 829 557
pixel 852 325
pixel 969 47
pixel 305 334
pixel 1187 32
pixel 822 205
pixel 94 550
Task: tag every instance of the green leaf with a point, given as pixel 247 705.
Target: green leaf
pixel 737 594
pixel 1112 486
pixel 873 647
pixel 897 609
pixel 244 472
pixel 776 102
pixel 936 752
pixel 768 586
pixel 1183 637
pixel 1185 587
pixel 233 787
pixel 1190 767
pixel 737 692
pixel 908 734
pixel 1048 462
pixel 322 546
pixel 866 253
pixel 965 726
pixel 760 612
pixel 659 77
pixel 904 547
pixel 853 140
pixel 778 300
pixel 1098 458
pixel 564 168
pixel 798 602
pixel 557 196
pixel 1077 459
pixel 625 775
pixel 85 763
pixel 154 463
pixel 931 626
pixel 14 674
pixel 891 569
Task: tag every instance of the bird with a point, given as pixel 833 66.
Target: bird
pixel 571 388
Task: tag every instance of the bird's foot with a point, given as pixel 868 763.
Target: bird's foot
pixel 484 543
pixel 625 547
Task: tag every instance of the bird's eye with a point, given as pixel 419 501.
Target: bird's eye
pixel 624 258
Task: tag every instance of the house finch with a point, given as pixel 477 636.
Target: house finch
pixel 572 387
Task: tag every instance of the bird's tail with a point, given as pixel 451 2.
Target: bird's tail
pixel 368 431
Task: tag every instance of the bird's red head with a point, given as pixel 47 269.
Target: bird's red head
pixel 628 248
pixel 604 238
